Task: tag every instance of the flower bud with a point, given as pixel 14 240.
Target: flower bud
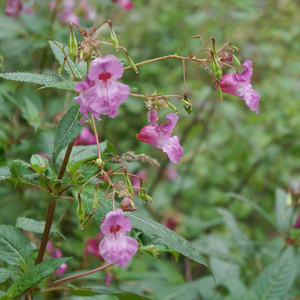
pixel 114 39
pixel 99 163
pixel 132 64
pixel 187 105
pixel 216 67
pixel 172 106
pixel 72 44
pixel 235 59
pixel 81 213
pixel 128 185
pixel 127 204
pixel 152 116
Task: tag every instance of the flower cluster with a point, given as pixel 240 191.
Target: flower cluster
pixel 116 247
pixel 159 136
pixel 100 92
pixel 238 84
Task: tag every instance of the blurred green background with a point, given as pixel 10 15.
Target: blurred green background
pixel 228 149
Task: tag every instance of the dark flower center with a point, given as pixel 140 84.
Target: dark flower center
pixel 115 228
pixel 104 76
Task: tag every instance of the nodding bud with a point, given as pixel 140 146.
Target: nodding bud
pixel 99 163
pixel 216 67
pixel 219 90
pixel 132 64
pixel 127 204
pixel 227 56
pixel 72 44
pixel 187 105
pixel 235 59
pixel 152 116
pixel 172 106
pixel 114 39
pixel 128 185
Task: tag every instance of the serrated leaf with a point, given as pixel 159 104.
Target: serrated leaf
pixel 4 173
pixel 4 274
pixel 19 168
pixel 79 70
pixel 34 275
pixel 41 79
pixel 33 225
pixel 30 113
pixel 160 234
pixel 38 163
pixel 67 130
pixel 63 85
pixel 103 290
pixel 15 248
pixel 276 280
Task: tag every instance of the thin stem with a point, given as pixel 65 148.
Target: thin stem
pixel 51 206
pixel 46 182
pixel 193 37
pixel 79 275
pixel 97 139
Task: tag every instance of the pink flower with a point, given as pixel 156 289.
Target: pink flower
pixel 117 247
pixel 238 84
pixel 100 93
pixel 57 253
pixel 135 181
pixel 93 246
pixel 125 4
pixel 297 224
pixel 86 137
pixel 15 7
pixel 160 136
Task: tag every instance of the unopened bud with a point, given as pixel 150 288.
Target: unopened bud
pixel 132 64
pixel 127 204
pixel 128 185
pixel 219 90
pixel 95 199
pixel 236 60
pixel 171 105
pixel 187 105
pixel 99 163
pixel 114 39
pixel 61 68
pixel 72 44
pixel 152 116
pixel 216 67
pixel 81 213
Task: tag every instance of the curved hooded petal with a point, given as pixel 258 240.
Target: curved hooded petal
pixel 168 127
pixel 119 250
pixel 173 149
pixel 245 76
pixel 149 134
pixel 228 84
pixel 109 64
pixel 114 219
pixel 252 99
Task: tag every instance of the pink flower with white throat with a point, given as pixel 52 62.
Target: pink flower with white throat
pixel 117 247
pixel 159 136
pixel 238 84
pixel 100 92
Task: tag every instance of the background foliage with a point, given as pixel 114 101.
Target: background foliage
pixel 230 197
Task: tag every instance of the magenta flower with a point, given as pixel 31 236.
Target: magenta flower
pixel 86 137
pixel 117 247
pixel 238 84
pixel 56 253
pixel 160 136
pixel 135 181
pixel 100 93
pixel 297 223
pixel 125 4
pixel 15 7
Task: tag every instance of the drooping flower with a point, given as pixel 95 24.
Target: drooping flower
pixel 160 136
pixel 54 252
pixel 86 137
pixel 238 84
pixel 117 247
pixel 100 93
pixel 125 4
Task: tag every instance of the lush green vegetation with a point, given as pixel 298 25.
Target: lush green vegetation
pixel 234 195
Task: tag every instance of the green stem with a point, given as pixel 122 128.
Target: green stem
pixel 52 203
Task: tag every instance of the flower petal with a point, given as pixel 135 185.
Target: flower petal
pixel 149 135
pixel 252 99
pixel 173 149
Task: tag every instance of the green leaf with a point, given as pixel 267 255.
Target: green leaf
pixel 15 248
pixel 78 69
pixel 67 130
pixel 34 275
pixel 262 212
pixel 38 163
pixel 103 290
pixel 41 79
pixel 160 234
pixel 283 210
pixel 33 225
pixel 30 113
pixel 4 173
pixel 19 168
pixel 4 274
pixel 63 85
pixel 277 279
